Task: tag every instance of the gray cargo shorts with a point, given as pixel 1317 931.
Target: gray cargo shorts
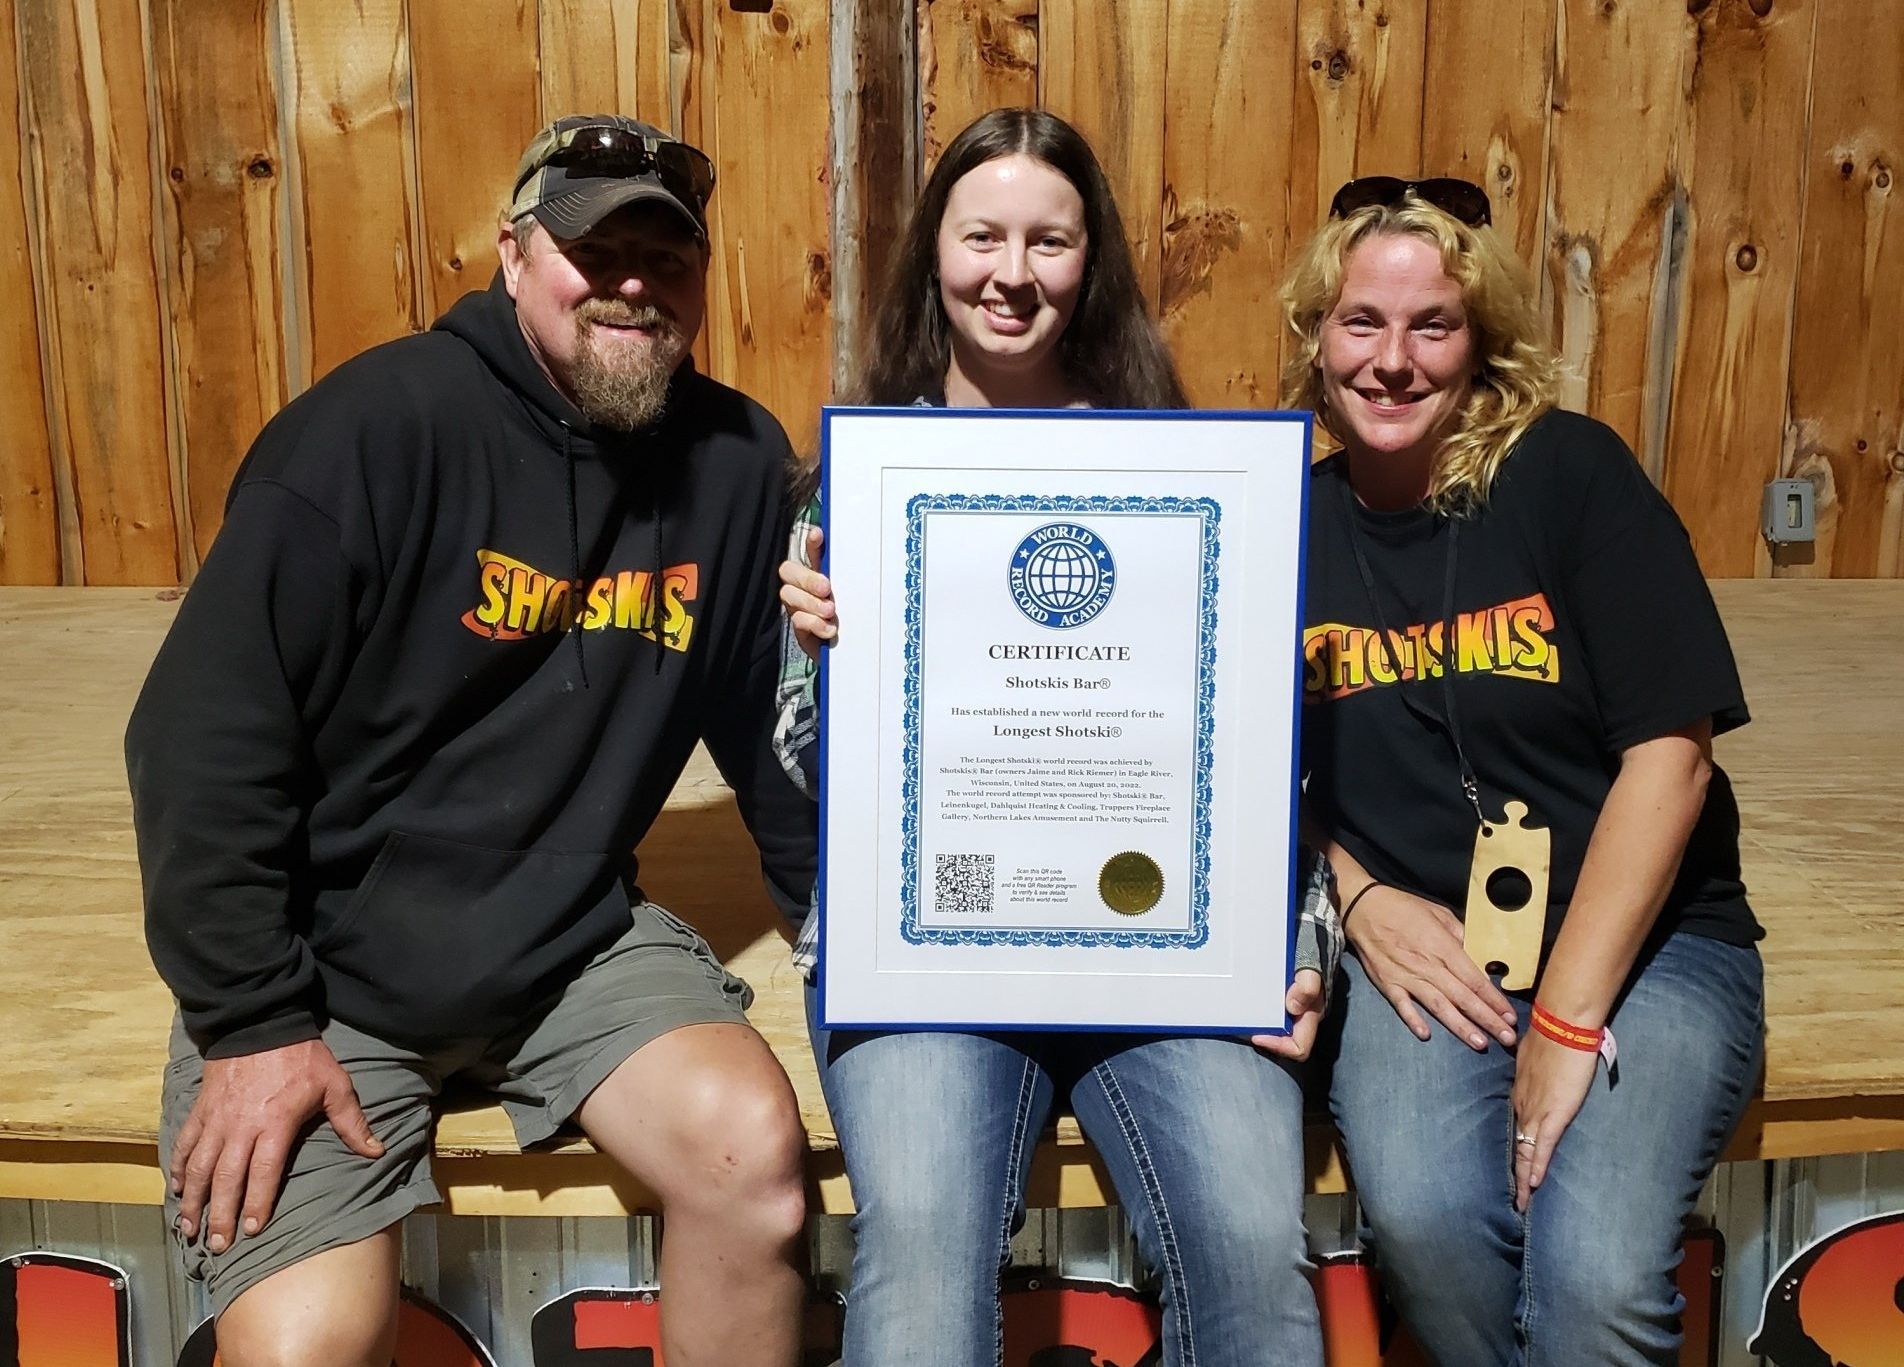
pixel 659 976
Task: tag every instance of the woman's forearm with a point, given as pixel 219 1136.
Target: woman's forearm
pixel 1350 876
pixel 1630 864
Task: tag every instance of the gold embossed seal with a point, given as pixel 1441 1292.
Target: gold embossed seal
pixel 1130 883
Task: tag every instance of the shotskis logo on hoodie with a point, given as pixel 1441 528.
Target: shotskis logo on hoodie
pixel 520 601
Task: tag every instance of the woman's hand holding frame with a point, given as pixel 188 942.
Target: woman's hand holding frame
pixel 807 596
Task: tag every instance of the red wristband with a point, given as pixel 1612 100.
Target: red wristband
pixel 1588 1041
pixel 1562 1032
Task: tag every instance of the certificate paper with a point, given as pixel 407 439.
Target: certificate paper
pixel 1058 727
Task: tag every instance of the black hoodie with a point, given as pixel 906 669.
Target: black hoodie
pixel 392 762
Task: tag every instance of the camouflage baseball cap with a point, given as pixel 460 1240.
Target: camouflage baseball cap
pixel 583 167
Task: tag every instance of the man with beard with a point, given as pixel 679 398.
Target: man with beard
pixel 477 595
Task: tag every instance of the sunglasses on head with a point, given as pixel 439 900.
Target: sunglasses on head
pixel 1459 199
pixel 621 154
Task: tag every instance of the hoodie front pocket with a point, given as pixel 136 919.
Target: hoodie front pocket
pixel 447 940
pixel 322 937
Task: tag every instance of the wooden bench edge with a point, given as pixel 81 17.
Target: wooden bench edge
pixel 1066 1173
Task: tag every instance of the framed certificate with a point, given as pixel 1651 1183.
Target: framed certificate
pixel 1058 727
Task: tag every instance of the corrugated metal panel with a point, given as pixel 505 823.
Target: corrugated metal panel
pixel 493 1274
pixel 165 1305
pixel 1734 1203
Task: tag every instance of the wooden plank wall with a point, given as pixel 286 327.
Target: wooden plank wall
pixel 207 204
pixel 1707 193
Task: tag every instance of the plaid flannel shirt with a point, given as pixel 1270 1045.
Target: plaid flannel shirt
pixel 797 729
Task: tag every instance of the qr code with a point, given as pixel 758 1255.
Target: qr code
pixel 964 883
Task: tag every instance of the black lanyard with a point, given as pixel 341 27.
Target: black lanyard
pixel 1451 724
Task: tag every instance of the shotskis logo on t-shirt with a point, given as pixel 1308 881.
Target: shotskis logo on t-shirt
pixel 519 601
pixel 1511 639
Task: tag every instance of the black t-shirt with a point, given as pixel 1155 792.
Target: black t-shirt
pixel 1582 626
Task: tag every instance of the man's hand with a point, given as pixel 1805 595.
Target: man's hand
pixel 235 1145
pixel 1304 1005
pixel 1411 950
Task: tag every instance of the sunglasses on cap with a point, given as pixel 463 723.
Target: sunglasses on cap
pixel 623 154
pixel 1461 200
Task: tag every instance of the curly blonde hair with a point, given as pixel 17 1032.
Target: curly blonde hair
pixel 1516 372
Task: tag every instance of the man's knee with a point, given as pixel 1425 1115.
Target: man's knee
pixel 750 1126
pixel 343 1342
pixel 733 1142
pixel 337 1309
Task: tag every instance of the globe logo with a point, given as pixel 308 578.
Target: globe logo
pixel 1062 575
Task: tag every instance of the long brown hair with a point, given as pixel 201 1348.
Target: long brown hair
pixel 1111 351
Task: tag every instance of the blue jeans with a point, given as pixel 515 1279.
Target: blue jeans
pixel 1202 1139
pixel 1586 1275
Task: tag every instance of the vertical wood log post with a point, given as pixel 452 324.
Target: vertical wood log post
pixel 875 160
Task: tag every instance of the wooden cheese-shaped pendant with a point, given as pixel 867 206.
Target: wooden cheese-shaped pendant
pixel 1507 898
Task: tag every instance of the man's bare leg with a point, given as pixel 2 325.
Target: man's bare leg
pixel 337 1308
pixel 705 1118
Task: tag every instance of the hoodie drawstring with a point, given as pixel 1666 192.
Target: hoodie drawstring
pixel 654 617
pixel 654 590
pixel 575 556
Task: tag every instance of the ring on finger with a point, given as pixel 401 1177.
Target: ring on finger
pixel 1522 1137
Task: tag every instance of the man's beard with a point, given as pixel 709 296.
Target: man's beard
pixel 629 391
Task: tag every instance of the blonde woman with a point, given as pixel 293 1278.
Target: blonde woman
pixel 1502 609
